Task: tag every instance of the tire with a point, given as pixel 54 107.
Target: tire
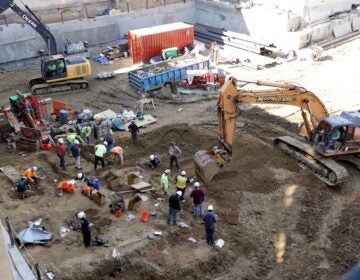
pixel 210 88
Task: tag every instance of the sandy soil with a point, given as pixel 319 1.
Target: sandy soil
pixel 292 226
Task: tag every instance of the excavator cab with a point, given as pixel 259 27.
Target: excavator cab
pixel 337 135
pixel 53 68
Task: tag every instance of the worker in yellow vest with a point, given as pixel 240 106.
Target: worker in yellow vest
pixel 181 181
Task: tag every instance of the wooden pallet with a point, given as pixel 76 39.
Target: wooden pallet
pixel 11 173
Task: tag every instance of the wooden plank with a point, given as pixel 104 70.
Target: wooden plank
pixel 148 119
pixel 5 264
pixel 11 173
pixel 141 185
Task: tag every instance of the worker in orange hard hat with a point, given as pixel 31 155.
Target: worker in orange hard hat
pixel 31 175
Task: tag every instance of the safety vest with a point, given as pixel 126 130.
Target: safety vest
pixel 117 150
pixel 100 150
pixel 71 138
pixel 86 131
pixel 29 173
pixel 181 182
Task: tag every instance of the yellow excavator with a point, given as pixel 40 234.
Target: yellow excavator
pixel 59 74
pixel 327 139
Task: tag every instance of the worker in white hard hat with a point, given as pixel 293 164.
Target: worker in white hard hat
pixel 198 196
pixel 164 181
pixel 210 219
pixel 100 152
pixel 75 152
pixel 181 181
pixel 154 161
pixel 174 207
pixel 85 228
pixel 30 173
pixel 61 152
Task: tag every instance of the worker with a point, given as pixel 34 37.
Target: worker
pixel 30 173
pixel 110 140
pixel 75 152
pixel 174 207
pixel 23 186
pixel 86 132
pixel 118 154
pixel 164 181
pixel 82 177
pixel 209 220
pixel 154 161
pixel 181 181
pixel 198 196
pixel 61 152
pixel 61 65
pixel 85 228
pixel 100 151
pixel 51 69
pixel 10 139
pixel 134 129
pixel 174 152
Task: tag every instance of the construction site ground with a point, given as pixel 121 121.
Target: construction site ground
pixel 291 225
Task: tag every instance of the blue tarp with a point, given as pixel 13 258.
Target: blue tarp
pixel 101 59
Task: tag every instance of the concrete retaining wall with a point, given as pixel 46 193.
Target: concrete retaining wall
pixel 19 41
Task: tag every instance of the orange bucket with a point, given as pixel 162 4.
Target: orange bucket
pixel 86 191
pixel 64 186
pixel 144 216
pixel 118 213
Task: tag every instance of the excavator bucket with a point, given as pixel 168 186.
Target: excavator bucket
pixel 4 4
pixel 207 165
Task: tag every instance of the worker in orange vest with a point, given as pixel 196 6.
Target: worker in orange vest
pixel 30 173
pixel 118 153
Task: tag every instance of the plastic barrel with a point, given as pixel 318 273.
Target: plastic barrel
pixel 96 184
pixel 63 116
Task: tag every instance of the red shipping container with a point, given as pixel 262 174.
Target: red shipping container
pixel 148 42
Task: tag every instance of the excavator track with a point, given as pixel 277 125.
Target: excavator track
pixel 327 170
pixel 45 89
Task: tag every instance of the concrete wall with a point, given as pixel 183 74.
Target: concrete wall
pixel 22 42
pixel 310 10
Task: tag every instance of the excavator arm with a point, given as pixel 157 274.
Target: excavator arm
pixel 208 163
pixel 34 22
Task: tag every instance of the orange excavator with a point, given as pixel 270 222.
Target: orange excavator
pixel 327 139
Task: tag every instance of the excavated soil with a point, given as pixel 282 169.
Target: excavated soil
pixel 291 225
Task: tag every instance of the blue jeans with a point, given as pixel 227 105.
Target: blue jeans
pixel 210 236
pixel 198 208
pixel 172 213
pixel 62 162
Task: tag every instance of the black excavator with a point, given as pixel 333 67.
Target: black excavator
pixel 59 74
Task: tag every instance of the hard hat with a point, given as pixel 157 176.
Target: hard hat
pixel 101 139
pixel 183 173
pixel 34 168
pixel 132 121
pixel 196 184
pixel 179 193
pixel 210 208
pixel 79 175
pixel 167 171
pixel 81 215
pixel 105 143
pixel 152 157
pixel 61 141
pixel 76 142
pixel 111 132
